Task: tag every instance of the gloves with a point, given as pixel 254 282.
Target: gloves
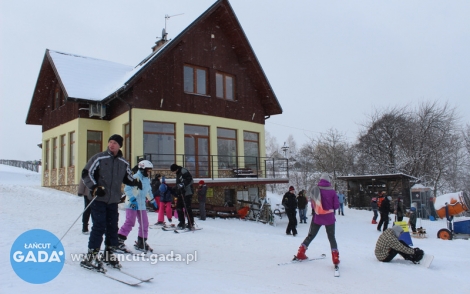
pixel 99 191
pixel 154 203
pixel 180 186
pixel 138 183
pixel 418 255
pixel 133 204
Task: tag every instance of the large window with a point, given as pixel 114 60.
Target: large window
pixel 195 80
pixel 226 148
pixel 225 86
pixel 54 153
pixel 62 151
pixel 72 149
pixel 196 150
pixel 159 143
pixel 47 158
pixel 251 145
pixel 94 143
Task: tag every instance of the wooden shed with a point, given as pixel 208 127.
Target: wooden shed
pixel 362 188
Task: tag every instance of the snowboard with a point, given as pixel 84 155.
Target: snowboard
pixel 426 260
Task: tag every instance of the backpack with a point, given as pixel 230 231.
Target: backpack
pixel 155 187
pixel 379 201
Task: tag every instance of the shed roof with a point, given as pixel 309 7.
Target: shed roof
pixel 379 176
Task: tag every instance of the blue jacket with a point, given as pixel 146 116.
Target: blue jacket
pixel 140 195
pixel 165 193
pixel 341 197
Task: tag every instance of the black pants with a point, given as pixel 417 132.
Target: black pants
pixel 86 214
pixel 184 202
pixel 292 225
pixel 383 220
pixel 202 210
pixel 105 221
pixel 313 231
pixel 394 253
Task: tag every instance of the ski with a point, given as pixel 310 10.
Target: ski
pixel 168 229
pixel 125 279
pixel 187 230
pixel 295 260
pixel 336 270
pixel 130 274
pixel 157 227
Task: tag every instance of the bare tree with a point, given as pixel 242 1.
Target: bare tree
pixel 331 153
pixel 380 143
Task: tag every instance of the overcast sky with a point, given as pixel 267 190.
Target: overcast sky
pixel 330 63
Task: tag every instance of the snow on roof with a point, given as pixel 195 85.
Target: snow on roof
pixel 95 79
pixel 88 78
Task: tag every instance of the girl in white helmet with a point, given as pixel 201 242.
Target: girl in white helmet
pixel 136 209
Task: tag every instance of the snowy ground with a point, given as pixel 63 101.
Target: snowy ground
pixel 233 255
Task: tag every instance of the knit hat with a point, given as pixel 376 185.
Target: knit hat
pixel 173 167
pixel 374 199
pixel 397 230
pixel 325 176
pixel 291 188
pixel 201 182
pixel 116 138
pixel 389 198
pixel 413 208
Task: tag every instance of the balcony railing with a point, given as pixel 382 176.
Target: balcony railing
pixel 222 166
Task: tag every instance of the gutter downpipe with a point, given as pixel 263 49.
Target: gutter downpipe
pixel 130 128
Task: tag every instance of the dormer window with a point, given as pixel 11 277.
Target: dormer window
pixel 195 80
pixel 59 98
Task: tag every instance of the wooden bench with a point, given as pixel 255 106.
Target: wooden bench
pixel 226 212
pixel 244 173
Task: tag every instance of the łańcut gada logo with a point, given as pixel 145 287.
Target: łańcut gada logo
pixel 37 256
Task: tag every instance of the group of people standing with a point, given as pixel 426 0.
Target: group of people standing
pixel 383 204
pixel 101 183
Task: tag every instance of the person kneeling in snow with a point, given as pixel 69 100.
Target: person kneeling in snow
pixel 388 246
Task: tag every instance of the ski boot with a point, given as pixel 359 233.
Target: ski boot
pixel 92 261
pixel 335 256
pixel 374 222
pixel 121 245
pixel 109 258
pixel 301 253
pixel 141 245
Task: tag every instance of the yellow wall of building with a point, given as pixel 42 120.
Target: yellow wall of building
pixel 81 125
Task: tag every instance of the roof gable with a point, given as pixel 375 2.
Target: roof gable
pixel 93 80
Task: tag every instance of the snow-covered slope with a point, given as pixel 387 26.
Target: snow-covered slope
pixel 233 256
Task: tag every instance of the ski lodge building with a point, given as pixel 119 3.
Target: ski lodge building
pixel 199 100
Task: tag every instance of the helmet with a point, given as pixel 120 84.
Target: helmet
pixel 145 164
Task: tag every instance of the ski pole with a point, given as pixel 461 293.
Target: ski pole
pixel 76 219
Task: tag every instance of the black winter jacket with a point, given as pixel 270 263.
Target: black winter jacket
pixel 289 201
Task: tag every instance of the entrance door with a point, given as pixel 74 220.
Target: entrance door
pixel 196 149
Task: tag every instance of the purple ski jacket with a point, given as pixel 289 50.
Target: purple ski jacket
pixel 324 201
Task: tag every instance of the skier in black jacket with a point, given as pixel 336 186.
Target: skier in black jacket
pixel 289 201
pixel 185 191
pixel 384 210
